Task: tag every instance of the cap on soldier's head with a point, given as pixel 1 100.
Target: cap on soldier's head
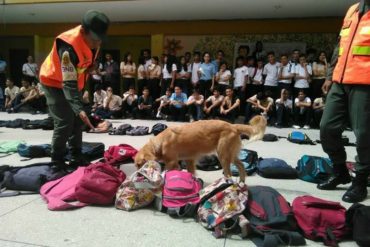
pixel 96 23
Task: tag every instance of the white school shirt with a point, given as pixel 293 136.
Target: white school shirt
pixel 166 74
pixel 11 93
pixel 97 76
pixel 239 76
pixel 306 100
pixel 299 70
pixel 139 72
pixel 287 71
pixel 30 69
pixel 194 72
pixel 99 98
pixel 258 75
pixel 223 77
pixel 288 103
pixel 271 71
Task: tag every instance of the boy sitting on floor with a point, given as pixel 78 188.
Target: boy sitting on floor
pixel 178 105
pixel 195 105
pixel 212 105
pixel 144 107
pixel 229 108
pixel 164 107
pixel 111 106
pixel 129 102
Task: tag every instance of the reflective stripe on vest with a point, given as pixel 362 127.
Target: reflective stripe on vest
pixel 341 51
pixel 365 30
pixel 361 50
pixel 345 32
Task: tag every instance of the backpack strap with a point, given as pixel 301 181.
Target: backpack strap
pixel 277 238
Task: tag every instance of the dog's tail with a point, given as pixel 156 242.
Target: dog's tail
pixel 255 130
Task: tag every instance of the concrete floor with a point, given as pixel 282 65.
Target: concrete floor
pixel 26 221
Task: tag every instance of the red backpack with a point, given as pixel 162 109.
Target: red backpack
pixel 116 155
pixel 99 184
pixel 320 219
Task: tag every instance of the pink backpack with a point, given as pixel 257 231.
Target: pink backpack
pixel 99 184
pixel 116 155
pixel 320 219
pixel 181 193
pixel 60 194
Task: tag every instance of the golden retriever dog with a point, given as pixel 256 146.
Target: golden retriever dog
pixel 191 141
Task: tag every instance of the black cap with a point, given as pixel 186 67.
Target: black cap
pixel 96 23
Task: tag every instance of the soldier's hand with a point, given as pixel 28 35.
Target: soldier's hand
pixel 326 87
pixel 85 119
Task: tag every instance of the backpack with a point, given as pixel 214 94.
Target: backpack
pixel 358 218
pixel 116 155
pixel 249 158
pixel 314 169
pixel 352 171
pixel 121 130
pixel 44 124
pixel 99 184
pixel 158 128
pixel 299 138
pixel 275 168
pixel 139 190
pixel 9 147
pixel 90 151
pixel 180 195
pixel 28 178
pixel 16 123
pixel 138 131
pixel 209 163
pixel 270 138
pixel 271 217
pixel 34 151
pixel 221 206
pixel 61 194
pixel 320 219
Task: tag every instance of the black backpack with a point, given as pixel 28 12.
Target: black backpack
pixel 90 151
pixel 271 218
pixel 121 130
pixel 209 163
pixel 158 128
pixel 275 168
pixel 270 138
pixel 249 158
pixel 358 218
pixel 138 131
pixel 27 178
pixel 34 151
pixel 44 124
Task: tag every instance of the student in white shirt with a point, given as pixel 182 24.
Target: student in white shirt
pixel 141 75
pixel 168 73
pixel 259 104
pixel 129 102
pixel 286 73
pixel 30 70
pixel 183 75
pixel 164 107
pixel 10 93
pixel 154 74
pixel 271 73
pixel 99 96
pixel 302 111
pixel 303 72
pixel 194 68
pixel 112 106
pixel 256 85
pixel 212 104
pixel 195 106
pixel 240 81
pixel 223 77
pixel 128 72
pixel 284 107
pixel 319 69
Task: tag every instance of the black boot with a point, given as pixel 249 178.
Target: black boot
pixel 340 176
pixel 357 192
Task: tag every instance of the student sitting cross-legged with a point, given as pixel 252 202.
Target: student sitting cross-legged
pixel 229 108
pixel 302 111
pixel 178 105
pixel 259 104
pixel 212 104
pixel 164 104
pixel 144 109
pixel 195 106
pixel 284 106
pixel 111 106
pixel 99 96
pixel 129 102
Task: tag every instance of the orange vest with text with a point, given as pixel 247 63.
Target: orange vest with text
pixel 353 66
pixel 51 69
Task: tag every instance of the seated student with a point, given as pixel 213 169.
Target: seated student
pixel 318 109
pixel 111 106
pixel 178 105
pixel 223 77
pixel 99 96
pixel 284 106
pixel 129 102
pixel 11 92
pixel 86 102
pixel 195 106
pixel 229 108
pixel 27 97
pixel 212 104
pixel 259 104
pixel 144 107
pixel 41 106
pixel 164 107
pixel 302 111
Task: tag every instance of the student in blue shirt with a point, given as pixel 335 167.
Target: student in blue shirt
pixel 178 107
pixel 207 72
pixel 219 59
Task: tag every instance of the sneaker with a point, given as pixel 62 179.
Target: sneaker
pixel 296 126
pixel 158 115
pixel 306 127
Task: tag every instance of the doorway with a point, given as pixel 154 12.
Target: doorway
pixel 17 57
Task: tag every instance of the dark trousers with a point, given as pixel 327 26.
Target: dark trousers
pixel 231 116
pixel 67 125
pixel 283 115
pixel 128 109
pixel 302 116
pixel 36 104
pixel 142 113
pixel 195 111
pixel 127 83
pixel 205 88
pixel 2 82
pixel 140 85
pixel 242 97
pixel 316 88
pixel 154 88
pixel 107 114
pixel 250 112
pixel 342 103
pixel 165 83
pixel 214 113
pixel 178 114
pixel 317 115
pixel 183 84
pixel 274 90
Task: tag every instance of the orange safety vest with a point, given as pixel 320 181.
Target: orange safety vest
pixel 51 70
pixel 353 66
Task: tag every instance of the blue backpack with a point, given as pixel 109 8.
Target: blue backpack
pixel 275 168
pixel 249 158
pixel 314 169
pixel 299 138
pixel 34 151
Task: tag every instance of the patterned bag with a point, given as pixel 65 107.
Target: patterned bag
pixel 221 206
pixel 139 191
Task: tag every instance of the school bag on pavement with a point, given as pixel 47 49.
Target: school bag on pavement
pixel 90 151
pixel 158 128
pixel 99 184
pixel 320 219
pixel 271 219
pixel 180 196
pixel 275 168
pixel 117 155
pixel 249 158
pixel 299 138
pixel 209 163
pixel 44 124
pixel 140 189
pixel 138 131
pixel 121 130
pixel 358 219
pixel 27 178
pixel 314 169
pixel 270 138
pixel 221 207
pixel 34 151
pixel 60 194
